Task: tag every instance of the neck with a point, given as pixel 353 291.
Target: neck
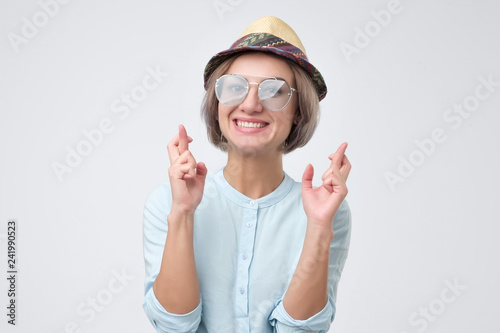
pixel 254 176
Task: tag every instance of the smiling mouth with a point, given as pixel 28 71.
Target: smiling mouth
pixel 247 124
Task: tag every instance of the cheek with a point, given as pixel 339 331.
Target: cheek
pixel 220 113
pixel 223 114
pixel 284 124
pixel 289 118
pixel 292 113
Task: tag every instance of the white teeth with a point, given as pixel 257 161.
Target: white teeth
pixel 250 125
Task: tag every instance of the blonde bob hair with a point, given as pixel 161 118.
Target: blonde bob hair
pixel 307 113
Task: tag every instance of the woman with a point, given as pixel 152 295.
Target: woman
pixel 249 249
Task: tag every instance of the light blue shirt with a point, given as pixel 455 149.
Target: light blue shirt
pixel 246 252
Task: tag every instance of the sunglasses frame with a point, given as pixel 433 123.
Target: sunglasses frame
pixel 267 78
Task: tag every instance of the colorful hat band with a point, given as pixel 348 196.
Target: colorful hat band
pixel 267 42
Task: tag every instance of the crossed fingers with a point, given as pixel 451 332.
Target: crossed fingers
pixel 338 170
pixel 181 160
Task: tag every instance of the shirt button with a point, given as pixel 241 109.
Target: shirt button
pixel 242 291
pixel 252 203
pixel 244 256
pixel 249 224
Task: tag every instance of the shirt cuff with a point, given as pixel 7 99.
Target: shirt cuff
pixel 318 323
pixel 165 322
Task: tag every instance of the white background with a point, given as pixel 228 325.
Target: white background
pixel 436 226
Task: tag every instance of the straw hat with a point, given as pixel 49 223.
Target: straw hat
pixel 270 34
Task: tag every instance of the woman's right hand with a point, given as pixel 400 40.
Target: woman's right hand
pixel 187 178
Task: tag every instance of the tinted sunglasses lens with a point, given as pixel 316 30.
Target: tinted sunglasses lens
pixel 231 89
pixel 274 94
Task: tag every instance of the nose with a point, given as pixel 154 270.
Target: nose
pixel 252 103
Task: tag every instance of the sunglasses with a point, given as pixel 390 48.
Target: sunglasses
pixel 274 93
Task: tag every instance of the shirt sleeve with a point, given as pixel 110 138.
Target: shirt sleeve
pixel 154 235
pixel 320 322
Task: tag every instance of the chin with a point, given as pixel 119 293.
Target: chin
pixel 252 150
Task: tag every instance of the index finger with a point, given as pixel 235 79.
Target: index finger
pixel 183 139
pixel 338 156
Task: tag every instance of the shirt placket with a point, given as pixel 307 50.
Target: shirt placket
pixel 245 254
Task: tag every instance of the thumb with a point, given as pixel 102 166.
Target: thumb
pixel 201 171
pixel 307 177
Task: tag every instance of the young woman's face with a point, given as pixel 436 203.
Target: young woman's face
pixel 249 127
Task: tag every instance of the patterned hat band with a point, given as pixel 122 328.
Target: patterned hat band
pixel 270 34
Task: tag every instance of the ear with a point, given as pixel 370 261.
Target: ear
pixel 296 119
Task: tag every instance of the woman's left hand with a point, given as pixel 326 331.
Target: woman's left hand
pixel 321 203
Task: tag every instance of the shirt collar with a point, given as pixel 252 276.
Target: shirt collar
pixel 242 200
